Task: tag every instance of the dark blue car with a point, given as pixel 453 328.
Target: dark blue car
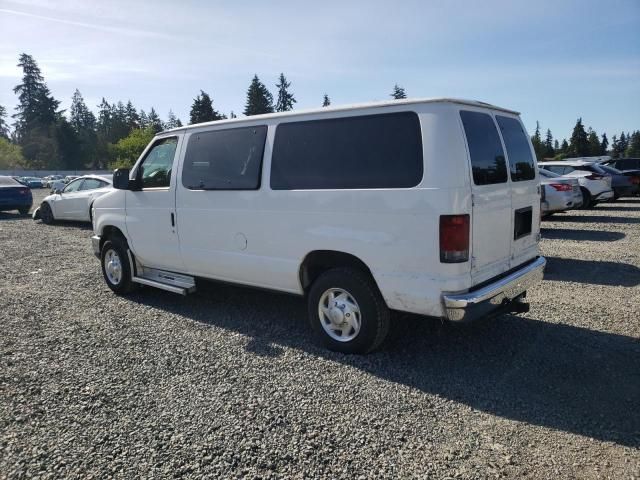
pixel 14 195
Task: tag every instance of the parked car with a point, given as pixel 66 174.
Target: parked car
pixel 49 179
pixel 346 206
pixel 69 178
pixel 14 195
pixel 74 200
pixel 625 184
pixel 595 183
pixel 560 193
pixel 32 182
pixel 624 163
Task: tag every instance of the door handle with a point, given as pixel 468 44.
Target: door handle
pixel 173 220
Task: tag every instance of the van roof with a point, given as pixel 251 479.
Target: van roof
pixel 342 108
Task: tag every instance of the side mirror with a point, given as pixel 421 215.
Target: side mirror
pixel 121 179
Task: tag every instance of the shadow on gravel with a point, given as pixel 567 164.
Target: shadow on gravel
pixel 592 271
pixel 594 219
pixel 588 235
pixel 13 216
pixel 618 208
pixel 547 374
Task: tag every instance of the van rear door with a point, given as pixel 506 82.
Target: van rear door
pixel 492 218
pixel 525 188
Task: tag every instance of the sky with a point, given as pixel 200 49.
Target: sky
pixel 554 61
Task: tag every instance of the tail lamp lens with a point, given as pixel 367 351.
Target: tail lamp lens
pixel 454 238
pixel 562 187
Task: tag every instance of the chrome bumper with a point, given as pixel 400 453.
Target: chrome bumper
pixel 464 307
pixel 95 243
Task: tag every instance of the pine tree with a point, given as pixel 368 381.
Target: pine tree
pixel 556 146
pixel 604 144
pixel 172 121
pixel 155 123
pixel 4 128
pixel 202 109
pixel 398 93
pixel 615 147
pixel 285 98
pixel 83 122
pixel 36 106
pixel 325 101
pixel 633 150
pixel 594 143
pixel 579 142
pixel 144 120
pixel 564 148
pixel 536 141
pixel 549 151
pixel 131 116
pixel 104 120
pixel 259 99
pixel 623 143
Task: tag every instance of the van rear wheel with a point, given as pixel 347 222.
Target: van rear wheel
pixel 347 312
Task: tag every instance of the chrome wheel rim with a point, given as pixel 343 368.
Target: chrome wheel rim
pixel 113 266
pixel 339 314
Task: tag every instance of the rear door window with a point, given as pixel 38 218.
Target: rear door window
pixel 228 159
pixel 515 139
pixel 487 156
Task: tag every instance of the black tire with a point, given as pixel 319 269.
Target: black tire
pixel 46 214
pixel 119 247
pixel 24 210
pixel 373 312
pixel 586 199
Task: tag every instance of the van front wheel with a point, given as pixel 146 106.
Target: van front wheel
pixel 115 266
pixel 347 312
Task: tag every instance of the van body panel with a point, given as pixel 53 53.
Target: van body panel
pixel 261 237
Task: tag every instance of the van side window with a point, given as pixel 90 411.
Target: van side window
pixel 371 151
pixel 228 159
pixel 515 140
pixel 155 170
pixel 487 157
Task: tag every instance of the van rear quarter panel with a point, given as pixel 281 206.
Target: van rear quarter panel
pixel 261 237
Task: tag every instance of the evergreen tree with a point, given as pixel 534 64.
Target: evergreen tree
pixel 259 99
pixel 103 125
pixel 604 144
pixel 398 93
pixel 326 101
pixel 144 120
pixel 564 148
pixel 536 141
pixel 172 121
pixel 615 147
pixel 579 142
pixel 623 143
pixel 594 144
pixel 132 118
pixel 202 109
pixel 4 128
pixel 155 123
pixel 285 98
pixel 556 146
pixel 633 150
pixel 83 122
pixel 36 117
pixel 549 151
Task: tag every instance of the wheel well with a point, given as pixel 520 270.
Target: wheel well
pixel 108 232
pixel 319 261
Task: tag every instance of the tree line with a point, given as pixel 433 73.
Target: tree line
pixel 45 137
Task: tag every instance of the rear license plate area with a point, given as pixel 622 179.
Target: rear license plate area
pixel 522 222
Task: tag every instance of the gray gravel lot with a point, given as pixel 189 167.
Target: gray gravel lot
pixel 226 383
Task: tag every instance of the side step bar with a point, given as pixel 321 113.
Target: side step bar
pixel 169 281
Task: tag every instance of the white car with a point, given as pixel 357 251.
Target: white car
pixel 423 206
pixel 594 182
pixel 74 200
pixel 559 193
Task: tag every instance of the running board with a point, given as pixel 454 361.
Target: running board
pixel 169 281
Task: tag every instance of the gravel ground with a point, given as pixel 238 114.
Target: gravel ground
pixel 227 383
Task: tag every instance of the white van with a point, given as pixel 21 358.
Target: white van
pixel 423 206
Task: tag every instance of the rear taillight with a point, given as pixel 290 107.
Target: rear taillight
pixel 454 238
pixel 23 191
pixel 635 180
pixel 561 187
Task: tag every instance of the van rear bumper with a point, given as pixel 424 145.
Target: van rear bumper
pixel 495 296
